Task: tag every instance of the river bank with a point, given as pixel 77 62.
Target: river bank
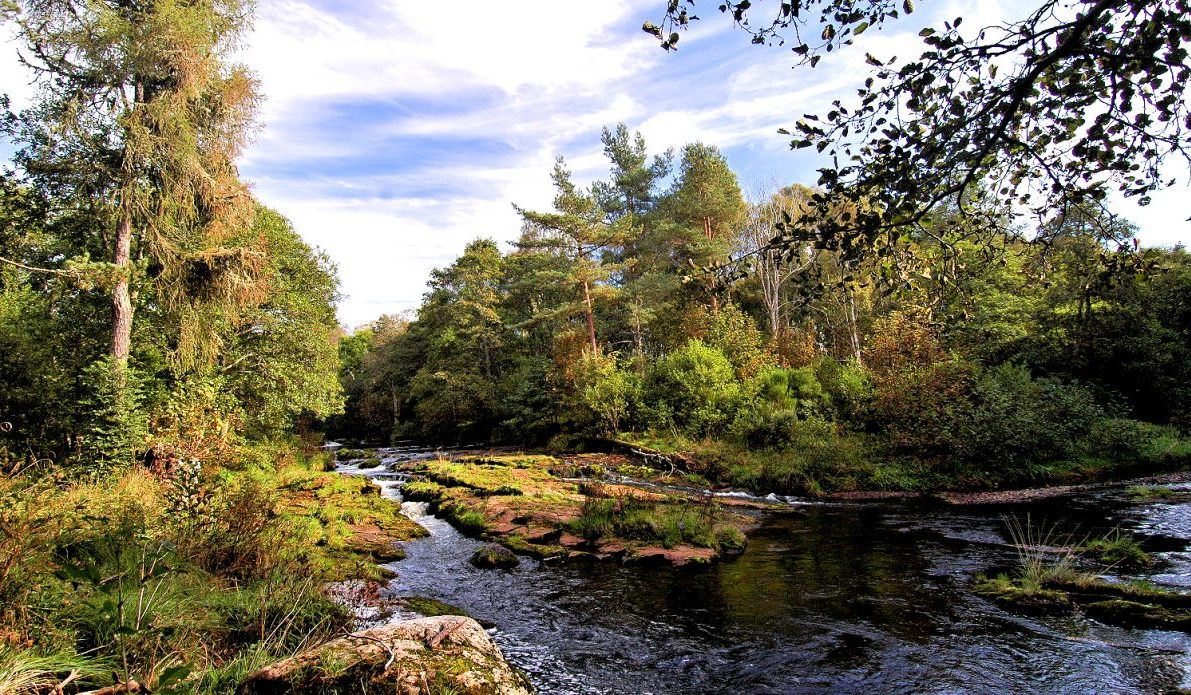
pixel 867 473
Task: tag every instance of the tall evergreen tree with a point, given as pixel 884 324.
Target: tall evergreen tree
pixel 138 123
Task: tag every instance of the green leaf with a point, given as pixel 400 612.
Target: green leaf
pixel 908 6
pixel 860 28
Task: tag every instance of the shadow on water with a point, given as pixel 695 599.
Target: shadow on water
pixel 828 599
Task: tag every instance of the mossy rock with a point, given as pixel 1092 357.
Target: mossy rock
pixel 1011 594
pixel 423 491
pixel 518 544
pixel 1094 590
pixel 1133 614
pixel 370 462
pixel 494 556
pixel 439 654
pixel 430 608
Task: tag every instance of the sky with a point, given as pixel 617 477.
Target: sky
pixel 393 133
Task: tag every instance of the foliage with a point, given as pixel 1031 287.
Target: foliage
pixel 943 362
pixel 1082 97
pixel 695 388
pixel 735 333
pixel 118 426
pixel 609 393
pixel 137 127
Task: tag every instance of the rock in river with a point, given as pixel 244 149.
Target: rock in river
pixel 448 653
pixel 494 556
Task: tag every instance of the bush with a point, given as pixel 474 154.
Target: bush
pixel 1016 421
pixel 696 387
pixel 240 536
pixel 117 425
pixel 793 389
pixel 735 334
pixel 607 393
pixel 847 386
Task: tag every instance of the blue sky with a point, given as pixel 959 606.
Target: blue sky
pixel 395 132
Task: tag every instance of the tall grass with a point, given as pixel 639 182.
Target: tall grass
pixel 1044 553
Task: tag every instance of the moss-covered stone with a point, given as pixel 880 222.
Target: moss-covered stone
pixel 494 556
pixel 1029 599
pixel 352 527
pixel 437 654
pixel 1127 605
pixel 1138 615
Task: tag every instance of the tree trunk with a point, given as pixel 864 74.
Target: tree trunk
pixel 121 295
pixel 715 302
pixel 854 327
pixel 590 314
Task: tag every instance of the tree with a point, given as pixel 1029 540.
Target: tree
pixel 282 356
pixel 772 269
pixel 631 192
pixel 139 123
pixel 577 231
pixel 1048 112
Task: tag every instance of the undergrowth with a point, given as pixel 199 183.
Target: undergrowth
pixel 185 580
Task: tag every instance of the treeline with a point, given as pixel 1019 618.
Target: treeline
pixel 941 358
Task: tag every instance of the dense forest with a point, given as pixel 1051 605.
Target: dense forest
pixel 651 305
pixel 171 363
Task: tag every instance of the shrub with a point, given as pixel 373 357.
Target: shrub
pixel 606 392
pixel 696 387
pixel 1016 420
pixel 794 389
pixel 117 425
pixel 735 334
pixel 847 386
pixel 235 533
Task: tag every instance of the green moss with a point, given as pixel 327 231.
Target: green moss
pixel 518 544
pixel 430 607
pixel 422 491
pixel 468 521
pixel 1154 493
pixel 494 557
pixel 1022 595
pixel 668 524
pixel 1138 615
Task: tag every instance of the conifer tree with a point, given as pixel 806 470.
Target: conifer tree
pixel 138 123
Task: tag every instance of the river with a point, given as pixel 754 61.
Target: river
pixel 871 597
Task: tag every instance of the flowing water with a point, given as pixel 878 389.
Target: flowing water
pixel 827 598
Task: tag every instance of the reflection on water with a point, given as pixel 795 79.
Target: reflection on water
pixel 830 599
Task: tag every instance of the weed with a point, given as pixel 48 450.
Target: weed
pixel 1044 554
pixel 1117 549
pixel 26 672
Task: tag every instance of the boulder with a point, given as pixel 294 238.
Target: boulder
pixel 494 556
pixel 446 653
